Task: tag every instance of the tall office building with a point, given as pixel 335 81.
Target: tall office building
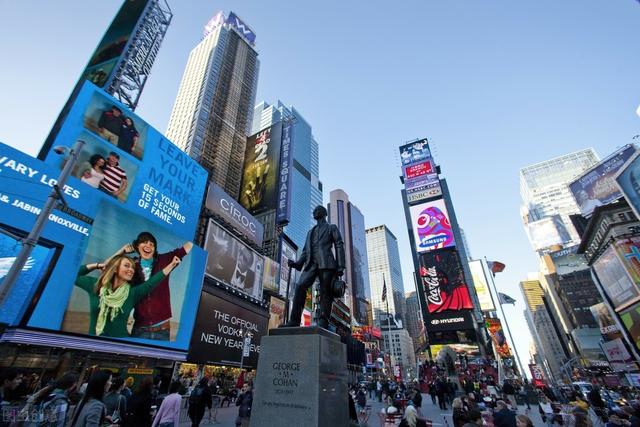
pixel 547 201
pixel 544 326
pixel 350 221
pixel 212 113
pixel 413 320
pixel 306 188
pixel 384 266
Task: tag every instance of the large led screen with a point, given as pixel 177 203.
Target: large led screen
pixel 597 186
pixel 259 187
pixel 443 281
pixel 130 162
pixel 431 226
pixel 631 321
pixel 628 180
pixel 615 279
pixel 129 297
pixel 232 262
pixel 567 260
pixel 494 326
pixel 419 171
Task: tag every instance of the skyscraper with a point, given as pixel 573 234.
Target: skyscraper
pixel 547 201
pixel 350 222
pixel 384 266
pixel 211 116
pixel 413 320
pixel 306 188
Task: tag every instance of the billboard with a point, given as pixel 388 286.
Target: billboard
pixel 288 251
pixel 615 351
pixel 419 171
pixel 615 271
pixel 494 326
pixel 101 227
pixel 628 181
pixel 276 312
pixel 631 322
pixel 481 285
pixel 443 282
pixel 225 206
pixel 114 42
pixel 547 232
pixel 271 275
pixel 283 211
pixel 597 186
pixel 449 321
pixel 415 152
pixel 605 320
pixel 568 260
pixel 536 375
pixel 431 226
pixel 259 186
pixel 128 161
pixel 232 262
pixel 222 326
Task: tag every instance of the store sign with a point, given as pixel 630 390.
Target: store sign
pixel 232 262
pixel 224 330
pixel 431 226
pixel 443 282
pixel 68 301
pixel 222 204
pixel 597 186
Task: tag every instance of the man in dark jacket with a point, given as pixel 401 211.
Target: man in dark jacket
pixel 199 400
pixel 244 401
pixel 504 417
pixel 475 419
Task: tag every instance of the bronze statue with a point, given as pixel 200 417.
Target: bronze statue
pixel 319 262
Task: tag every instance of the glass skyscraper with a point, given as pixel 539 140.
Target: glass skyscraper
pixel 384 267
pixel 306 188
pixel 211 116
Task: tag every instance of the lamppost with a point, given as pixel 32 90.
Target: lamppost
pixel 34 235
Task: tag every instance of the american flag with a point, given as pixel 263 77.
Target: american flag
pixel 384 290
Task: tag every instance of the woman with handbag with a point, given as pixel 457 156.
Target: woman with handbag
pixel 116 402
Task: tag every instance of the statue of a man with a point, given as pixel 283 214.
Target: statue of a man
pixel 319 262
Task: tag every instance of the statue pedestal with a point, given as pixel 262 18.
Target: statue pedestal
pixel 301 380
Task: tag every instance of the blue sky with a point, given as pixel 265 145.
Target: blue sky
pixel 495 85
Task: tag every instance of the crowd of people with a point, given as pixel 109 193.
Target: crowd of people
pixel 106 399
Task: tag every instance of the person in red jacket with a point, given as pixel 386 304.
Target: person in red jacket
pixel 153 313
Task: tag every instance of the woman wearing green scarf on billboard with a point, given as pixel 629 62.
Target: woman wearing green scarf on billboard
pixel 111 297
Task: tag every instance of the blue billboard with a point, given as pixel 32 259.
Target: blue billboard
pixel 115 272
pixel 128 161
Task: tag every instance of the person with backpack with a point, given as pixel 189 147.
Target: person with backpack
pixel 91 411
pixel 115 402
pixel 199 400
pixel 49 406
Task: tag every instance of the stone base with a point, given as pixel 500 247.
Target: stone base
pixel 301 380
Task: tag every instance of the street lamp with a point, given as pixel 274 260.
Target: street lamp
pixel 31 240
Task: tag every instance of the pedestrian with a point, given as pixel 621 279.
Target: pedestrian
pixel 169 413
pixel 432 391
pixel 361 400
pixel 91 410
pixel 199 399
pixel 523 421
pixel 10 379
pixel 244 403
pixel 51 403
pixel 115 402
pixel 504 417
pixel 411 418
pixel 128 384
pixel 139 405
pixel 441 390
pixel 379 390
pixel 459 414
pixel 509 391
pixel 475 419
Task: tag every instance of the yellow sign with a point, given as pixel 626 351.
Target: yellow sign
pixel 140 371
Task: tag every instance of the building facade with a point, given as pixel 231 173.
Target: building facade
pixel 350 221
pixel 384 267
pixel 399 345
pixel 306 188
pixel 212 112
pixel 413 320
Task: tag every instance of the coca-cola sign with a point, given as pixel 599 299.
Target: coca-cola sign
pixel 443 282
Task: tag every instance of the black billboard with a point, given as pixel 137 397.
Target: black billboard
pixel 223 326
pixel 449 321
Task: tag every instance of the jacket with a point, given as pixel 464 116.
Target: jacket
pixel 245 401
pixel 329 238
pixel 92 414
pixel 504 418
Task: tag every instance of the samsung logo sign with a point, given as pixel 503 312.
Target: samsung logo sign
pixel 230 210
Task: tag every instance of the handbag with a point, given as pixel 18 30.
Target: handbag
pixel 115 416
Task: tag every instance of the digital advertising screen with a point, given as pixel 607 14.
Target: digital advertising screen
pixel 419 171
pixel 481 285
pixel 259 186
pixel 223 327
pixel 271 275
pixel 415 152
pixel 547 232
pixel 276 312
pixel 288 251
pixel 628 181
pixel 494 326
pixel 232 262
pixel 631 321
pixel 615 278
pixel 597 186
pixel 431 226
pixel 606 322
pixel 119 300
pixel 443 281
pixel 568 260
pixel 130 162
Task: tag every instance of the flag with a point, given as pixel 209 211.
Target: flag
pixel 505 299
pixel 384 290
pixel 495 267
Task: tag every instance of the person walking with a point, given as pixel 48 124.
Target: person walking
pixel 115 402
pixel 199 399
pixel 504 417
pixel 169 413
pixel 459 414
pixel 441 391
pixel 244 403
pixel 91 411
pixel 139 405
pixel 523 421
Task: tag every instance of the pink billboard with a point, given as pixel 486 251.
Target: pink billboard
pixel 431 226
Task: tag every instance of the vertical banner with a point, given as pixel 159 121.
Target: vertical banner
pixel 283 211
